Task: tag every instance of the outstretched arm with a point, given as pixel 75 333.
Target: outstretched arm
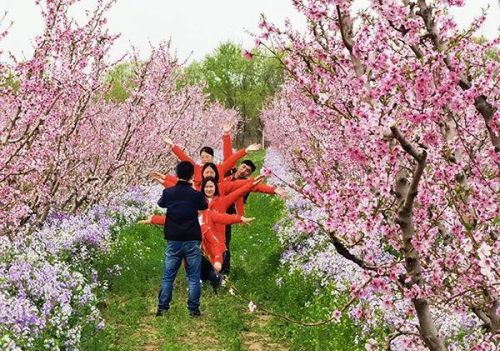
pixel 169 181
pixel 240 192
pixel 228 219
pixel 227 187
pixel 225 166
pixel 224 218
pixel 177 151
pixel 154 219
pixel 264 188
pixel 157 177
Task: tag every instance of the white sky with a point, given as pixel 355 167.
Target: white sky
pixel 196 27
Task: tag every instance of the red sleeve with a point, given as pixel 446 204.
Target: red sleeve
pixel 263 188
pixel 227 148
pixel 170 181
pixel 240 206
pixel 181 155
pixel 230 186
pixel 224 218
pixel 158 219
pixel 225 166
pixel 240 192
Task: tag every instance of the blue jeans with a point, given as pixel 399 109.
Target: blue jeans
pixel 174 254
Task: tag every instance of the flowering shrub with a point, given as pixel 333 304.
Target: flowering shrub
pixel 65 143
pixel 49 290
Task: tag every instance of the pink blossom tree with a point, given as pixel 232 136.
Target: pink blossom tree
pixel 63 144
pixel 389 121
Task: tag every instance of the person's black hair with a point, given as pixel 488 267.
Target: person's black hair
pixel 184 170
pixel 208 150
pixel 204 183
pixel 230 172
pixel 250 164
pixel 214 167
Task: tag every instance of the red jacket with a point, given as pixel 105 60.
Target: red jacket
pixel 227 151
pixel 225 166
pixel 259 188
pixel 221 203
pixel 212 246
pixel 225 187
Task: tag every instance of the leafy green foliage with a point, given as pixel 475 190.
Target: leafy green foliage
pixel 121 79
pixel 238 83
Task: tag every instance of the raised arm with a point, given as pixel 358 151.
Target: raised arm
pixel 225 166
pixel 227 148
pixel 177 151
pixel 230 162
pixel 181 155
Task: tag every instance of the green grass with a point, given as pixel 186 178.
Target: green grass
pixel 226 323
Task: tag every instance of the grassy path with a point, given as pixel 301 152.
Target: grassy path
pixel 226 323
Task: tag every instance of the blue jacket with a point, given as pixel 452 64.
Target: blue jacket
pixel 182 203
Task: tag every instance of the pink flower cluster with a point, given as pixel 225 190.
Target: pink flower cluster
pixel 64 143
pixel 389 126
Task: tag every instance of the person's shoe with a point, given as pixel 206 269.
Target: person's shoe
pixel 195 313
pixel 160 312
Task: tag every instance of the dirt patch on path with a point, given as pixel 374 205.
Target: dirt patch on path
pixel 148 333
pixel 257 338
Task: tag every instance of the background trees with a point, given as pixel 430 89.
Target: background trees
pixel 239 83
pixel 76 127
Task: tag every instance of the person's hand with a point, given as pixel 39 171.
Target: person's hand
pixel 226 127
pixel 156 175
pixel 146 221
pixel 217 266
pixel 168 141
pixel 252 147
pixel 281 193
pixel 247 220
pixel 259 179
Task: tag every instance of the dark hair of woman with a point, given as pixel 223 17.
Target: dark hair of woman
pixel 212 166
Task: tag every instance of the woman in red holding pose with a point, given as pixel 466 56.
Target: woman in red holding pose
pixel 213 222
pixel 207 156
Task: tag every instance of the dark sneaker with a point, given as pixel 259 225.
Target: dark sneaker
pixel 195 313
pixel 216 283
pixel 160 312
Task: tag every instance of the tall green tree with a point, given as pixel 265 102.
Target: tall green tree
pixel 239 83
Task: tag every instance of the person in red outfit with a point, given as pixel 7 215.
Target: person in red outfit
pixel 244 171
pixel 213 222
pixel 212 247
pixel 208 170
pixel 207 155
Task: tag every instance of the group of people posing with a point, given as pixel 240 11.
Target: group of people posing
pixel 202 201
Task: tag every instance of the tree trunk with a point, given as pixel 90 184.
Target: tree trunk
pixel 427 327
